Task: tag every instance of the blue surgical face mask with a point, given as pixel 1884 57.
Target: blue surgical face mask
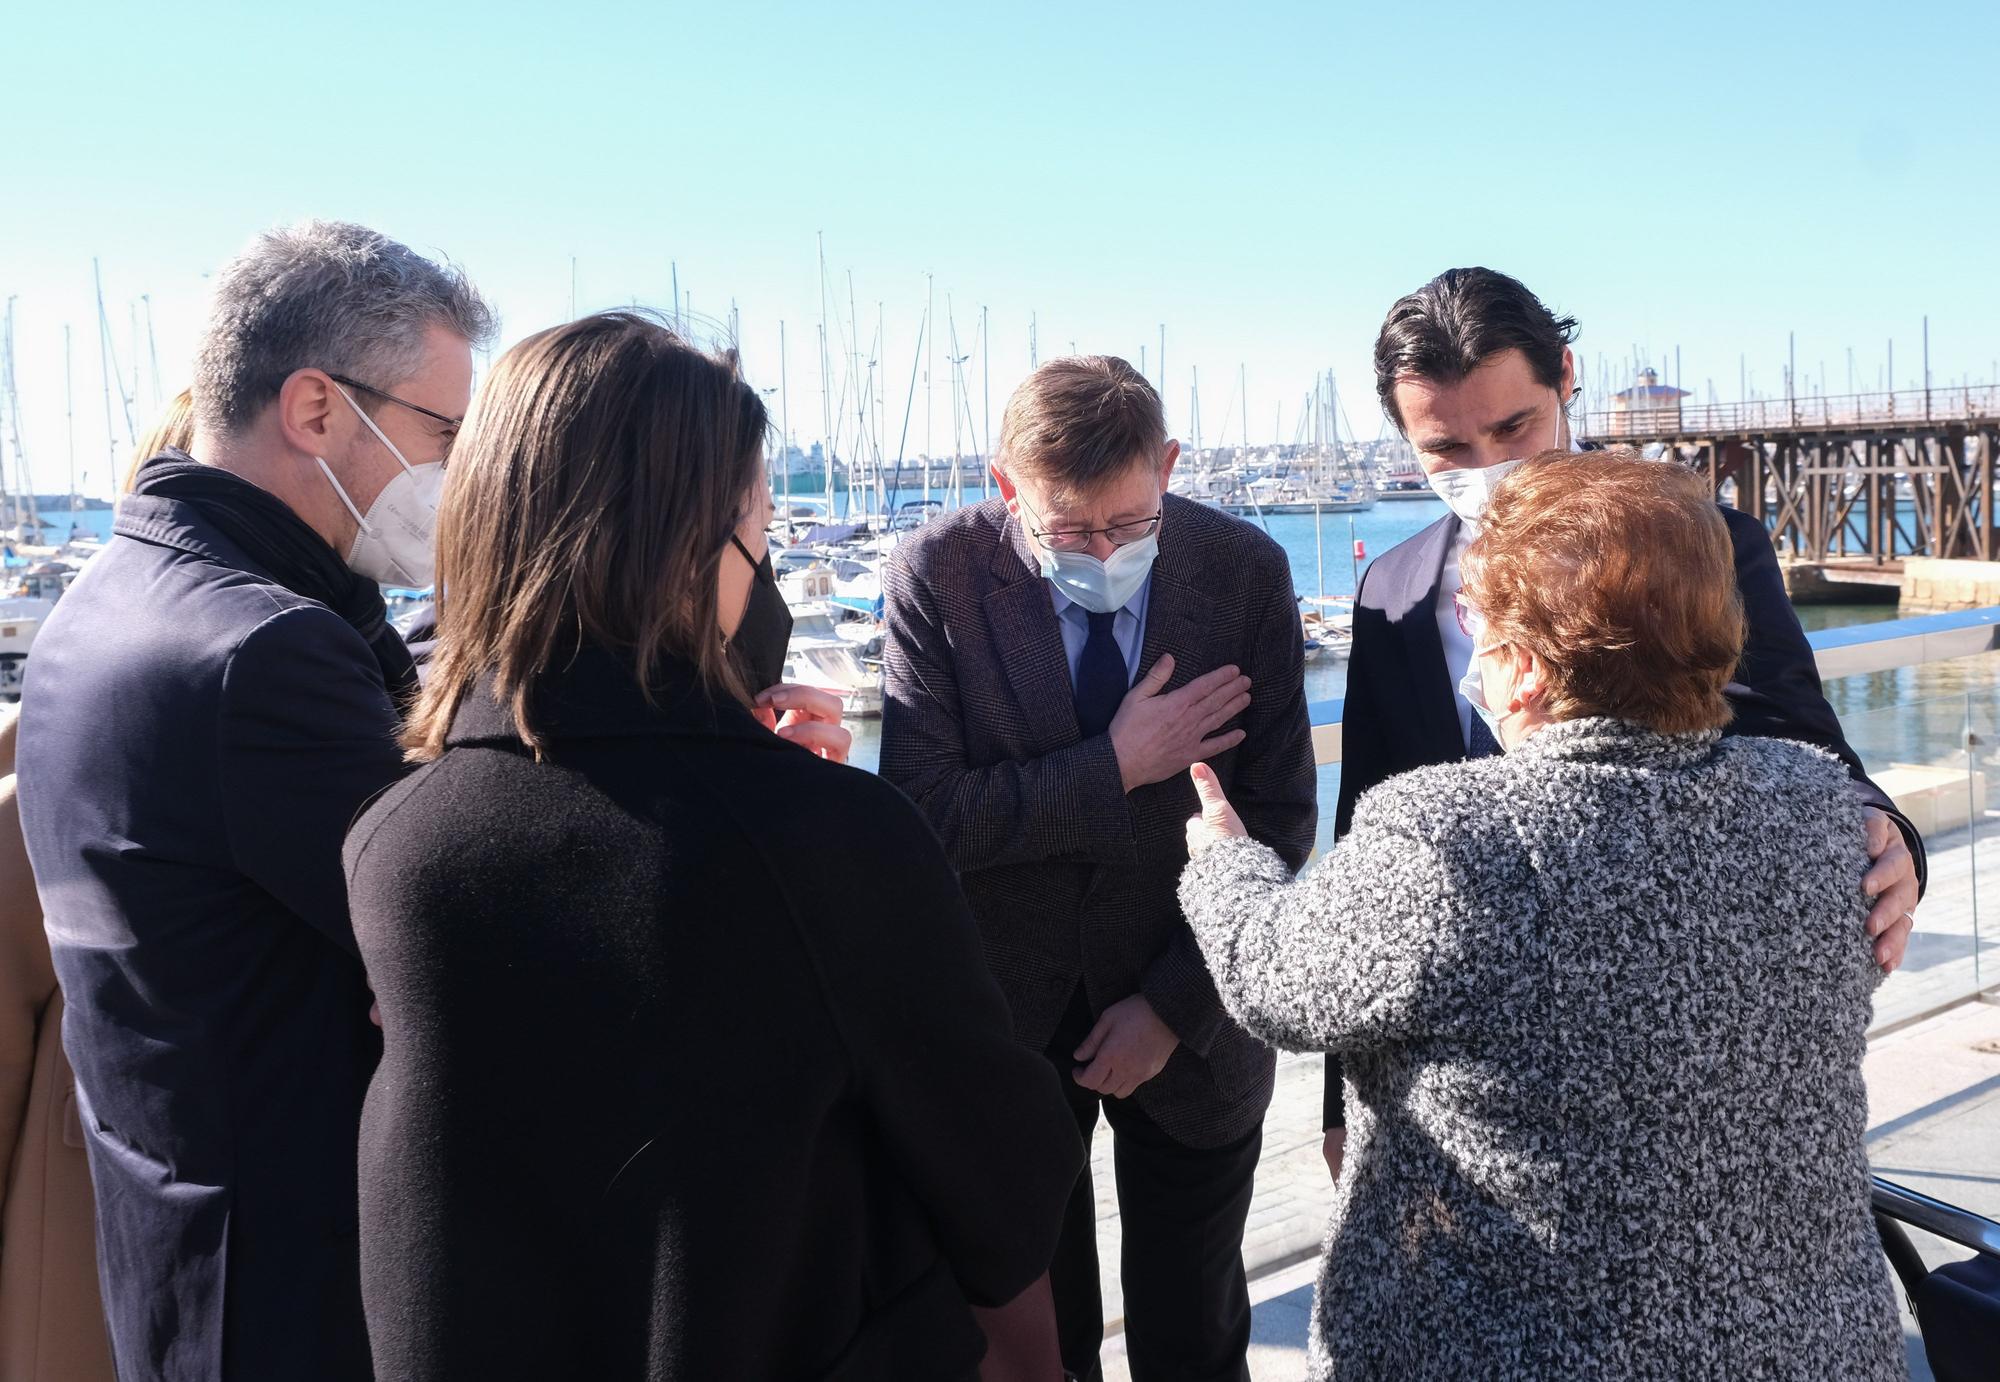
pixel 1101 586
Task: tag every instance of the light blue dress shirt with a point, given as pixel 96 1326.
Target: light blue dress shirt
pixel 1129 628
pixel 1457 642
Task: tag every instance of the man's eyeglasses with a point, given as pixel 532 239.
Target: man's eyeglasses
pixel 1076 539
pixel 453 423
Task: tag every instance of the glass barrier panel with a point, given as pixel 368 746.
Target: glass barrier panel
pixel 1917 750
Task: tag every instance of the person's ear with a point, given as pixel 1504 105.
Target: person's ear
pixel 1567 390
pixel 1007 491
pixel 1527 679
pixel 1173 454
pixel 306 402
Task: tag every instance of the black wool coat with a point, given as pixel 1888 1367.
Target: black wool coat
pixel 692 1068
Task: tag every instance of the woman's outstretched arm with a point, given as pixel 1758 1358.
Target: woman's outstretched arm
pixel 1364 948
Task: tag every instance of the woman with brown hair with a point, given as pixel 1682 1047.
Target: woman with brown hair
pixel 692 1067
pixel 1602 1022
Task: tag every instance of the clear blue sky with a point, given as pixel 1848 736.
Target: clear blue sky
pixel 1263 179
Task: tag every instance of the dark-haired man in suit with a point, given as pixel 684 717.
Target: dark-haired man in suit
pixel 1057 658
pixel 1477 373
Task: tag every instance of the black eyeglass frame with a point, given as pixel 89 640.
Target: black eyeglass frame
pixel 1047 538
pixel 451 422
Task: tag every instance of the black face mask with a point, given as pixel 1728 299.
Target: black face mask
pixel 764 638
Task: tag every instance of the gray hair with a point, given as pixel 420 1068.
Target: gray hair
pixel 324 295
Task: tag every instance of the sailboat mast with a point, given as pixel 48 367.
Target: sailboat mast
pixel 986 409
pixel 69 416
pixel 152 352
pixel 930 356
pixel 785 425
pixel 909 406
pixel 12 400
pixel 825 383
pixel 951 325
pixel 133 392
pixel 881 486
pixel 1194 408
pixel 106 366
pixel 825 423
pixel 24 479
pixel 857 470
pixel 1319 557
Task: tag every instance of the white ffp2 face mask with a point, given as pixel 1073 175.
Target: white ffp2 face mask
pixel 397 541
pixel 1472 687
pixel 1467 492
pixel 1102 586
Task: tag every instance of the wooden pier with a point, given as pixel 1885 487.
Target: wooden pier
pixel 1856 490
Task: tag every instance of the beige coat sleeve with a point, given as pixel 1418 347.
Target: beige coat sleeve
pixel 27 979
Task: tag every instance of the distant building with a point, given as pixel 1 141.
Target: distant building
pixel 1648 401
pixel 803 463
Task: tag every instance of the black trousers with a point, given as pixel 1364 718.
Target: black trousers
pixel 1182 1211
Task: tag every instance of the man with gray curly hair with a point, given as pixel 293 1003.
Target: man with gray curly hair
pixel 207 711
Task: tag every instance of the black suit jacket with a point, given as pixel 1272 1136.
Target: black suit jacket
pixel 692 1070
pixel 1073 879
pixel 195 741
pixel 1401 709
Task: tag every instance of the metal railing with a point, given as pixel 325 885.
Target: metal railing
pixel 1960 403
pixel 1947 1221
pixel 1938 764
pixel 1843 652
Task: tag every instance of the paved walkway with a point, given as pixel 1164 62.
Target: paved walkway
pixel 1934 1125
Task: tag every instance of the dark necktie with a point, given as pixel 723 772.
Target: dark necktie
pixel 1101 678
pixel 1480 742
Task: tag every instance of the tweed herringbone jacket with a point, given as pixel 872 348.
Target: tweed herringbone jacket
pixel 1070 877
pixel 1602 1002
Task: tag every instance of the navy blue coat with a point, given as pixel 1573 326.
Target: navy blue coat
pixel 1401 713
pixel 195 741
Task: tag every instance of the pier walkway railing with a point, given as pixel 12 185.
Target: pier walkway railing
pixel 1919 700
pixel 1817 412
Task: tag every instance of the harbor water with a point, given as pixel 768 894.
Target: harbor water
pixel 1906 715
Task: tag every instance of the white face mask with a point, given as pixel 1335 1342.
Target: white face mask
pixel 1102 586
pixel 397 543
pixel 1468 492
pixel 1473 688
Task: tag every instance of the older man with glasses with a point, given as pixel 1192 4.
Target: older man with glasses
pixel 1056 659
pixel 206 712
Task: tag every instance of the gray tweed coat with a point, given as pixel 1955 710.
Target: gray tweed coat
pixel 1603 1002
